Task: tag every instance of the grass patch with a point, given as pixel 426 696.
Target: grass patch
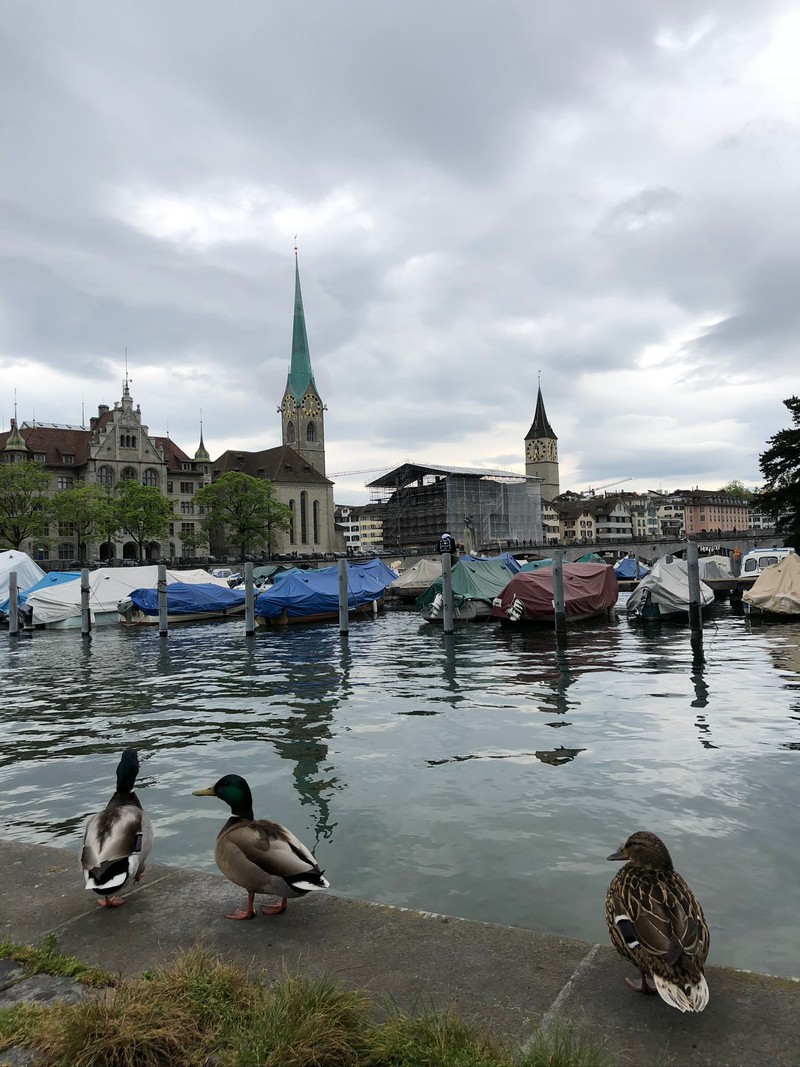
pixel 48 960
pixel 200 1010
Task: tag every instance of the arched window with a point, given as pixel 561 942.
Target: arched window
pixel 105 476
pixel 291 522
pixel 128 474
pixel 315 513
pixel 150 477
pixel 133 441
pixel 304 518
pixel 311 432
pixel 290 433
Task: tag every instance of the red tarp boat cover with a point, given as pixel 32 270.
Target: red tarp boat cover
pixel 589 589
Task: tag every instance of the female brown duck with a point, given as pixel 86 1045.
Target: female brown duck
pixel 656 922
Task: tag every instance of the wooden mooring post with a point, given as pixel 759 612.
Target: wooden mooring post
pixel 13 616
pixel 559 609
pixel 161 591
pixel 344 620
pixel 695 603
pixel 86 615
pixel 249 601
pixel 447 594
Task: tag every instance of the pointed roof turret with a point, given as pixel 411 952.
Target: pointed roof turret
pixel 300 372
pixel 201 453
pixel 540 427
pixel 15 442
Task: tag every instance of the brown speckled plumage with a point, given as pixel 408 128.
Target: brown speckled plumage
pixel 656 923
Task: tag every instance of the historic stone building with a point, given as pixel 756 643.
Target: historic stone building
pixel 541 452
pixel 115 447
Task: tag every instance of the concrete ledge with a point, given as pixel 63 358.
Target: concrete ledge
pixel 507 978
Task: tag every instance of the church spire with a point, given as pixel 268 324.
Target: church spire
pixel 300 372
pixel 540 427
pixel 201 454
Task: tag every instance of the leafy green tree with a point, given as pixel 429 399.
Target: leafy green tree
pixel 90 510
pixel 737 491
pixel 246 507
pixel 190 542
pixel 780 466
pixel 25 509
pixel 143 512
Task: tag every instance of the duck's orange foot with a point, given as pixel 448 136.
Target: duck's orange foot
pixel 139 876
pixel 111 902
pixel 646 986
pixel 242 913
pixel 274 909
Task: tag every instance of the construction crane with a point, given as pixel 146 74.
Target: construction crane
pixel 593 492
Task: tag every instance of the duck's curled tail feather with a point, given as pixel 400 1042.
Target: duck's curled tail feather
pixel 688 996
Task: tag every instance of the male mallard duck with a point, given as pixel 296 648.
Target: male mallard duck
pixel 259 855
pixel 656 922
pixel 117 841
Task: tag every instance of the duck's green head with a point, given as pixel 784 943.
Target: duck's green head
pixel 235 791
pixel 644 849
pixel 127 769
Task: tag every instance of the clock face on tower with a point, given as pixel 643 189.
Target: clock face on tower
pixel 311 405
pixel 288 407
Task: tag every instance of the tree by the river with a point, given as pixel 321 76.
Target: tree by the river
pixel 143 512
pixel 89 510
pixel 246 507
pixel 25 509
pixel 780 466
pixel 737 490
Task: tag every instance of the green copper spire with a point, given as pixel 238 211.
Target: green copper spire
pixel 202 453
pixel 300 373
pixel 15 442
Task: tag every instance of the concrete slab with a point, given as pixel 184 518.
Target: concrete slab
pixel 506 978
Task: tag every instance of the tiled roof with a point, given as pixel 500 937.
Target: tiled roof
pixel 281 464
pixel 54 442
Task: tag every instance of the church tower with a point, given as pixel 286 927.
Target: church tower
pixel 541 451
pixel 302 419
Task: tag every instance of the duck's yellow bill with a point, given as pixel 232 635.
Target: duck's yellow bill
pixel 203 792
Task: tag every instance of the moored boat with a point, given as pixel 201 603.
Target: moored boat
pixel 185 603
pixel 475 582
pixel 590 590
pixel 313 595
pixel 664 592
pixel 776 591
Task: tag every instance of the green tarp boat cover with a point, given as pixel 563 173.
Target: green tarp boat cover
pixel 472 580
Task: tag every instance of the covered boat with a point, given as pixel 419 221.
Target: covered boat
pixel 61 605
pixel 28 572
pixel 185 603
pixel 776 591
pixel 665 591
pixel 47 582
pixel 590 589
pixel 629 568
pixel 313 595
pixel 413 582
pixel 475 585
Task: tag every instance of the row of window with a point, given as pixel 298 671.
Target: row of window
pixel 105 476
pixel 303 518
pixel 291 433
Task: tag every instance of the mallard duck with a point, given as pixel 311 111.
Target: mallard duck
pixel 117 841
pixel 656 922
pixel 259 855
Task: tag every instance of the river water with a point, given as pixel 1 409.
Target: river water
pixel 486 775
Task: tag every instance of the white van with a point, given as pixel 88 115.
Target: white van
pixel 754 561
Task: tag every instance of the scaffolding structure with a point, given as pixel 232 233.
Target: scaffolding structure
pixel 481 508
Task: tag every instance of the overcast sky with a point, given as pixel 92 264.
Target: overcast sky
pixel 605 193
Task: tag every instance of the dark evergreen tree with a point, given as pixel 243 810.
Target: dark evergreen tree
pixel 780 466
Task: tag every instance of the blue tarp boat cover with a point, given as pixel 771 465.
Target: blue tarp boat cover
pixel 185 599
pixel 626 568
pixel 506 557
pixel 316 592
pixel 54 578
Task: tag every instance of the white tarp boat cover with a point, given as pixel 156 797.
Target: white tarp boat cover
pixel 421 574
pixel 107 586
pixel 714 567
pixel 777 588
pixel 28 572
pixel 668 585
